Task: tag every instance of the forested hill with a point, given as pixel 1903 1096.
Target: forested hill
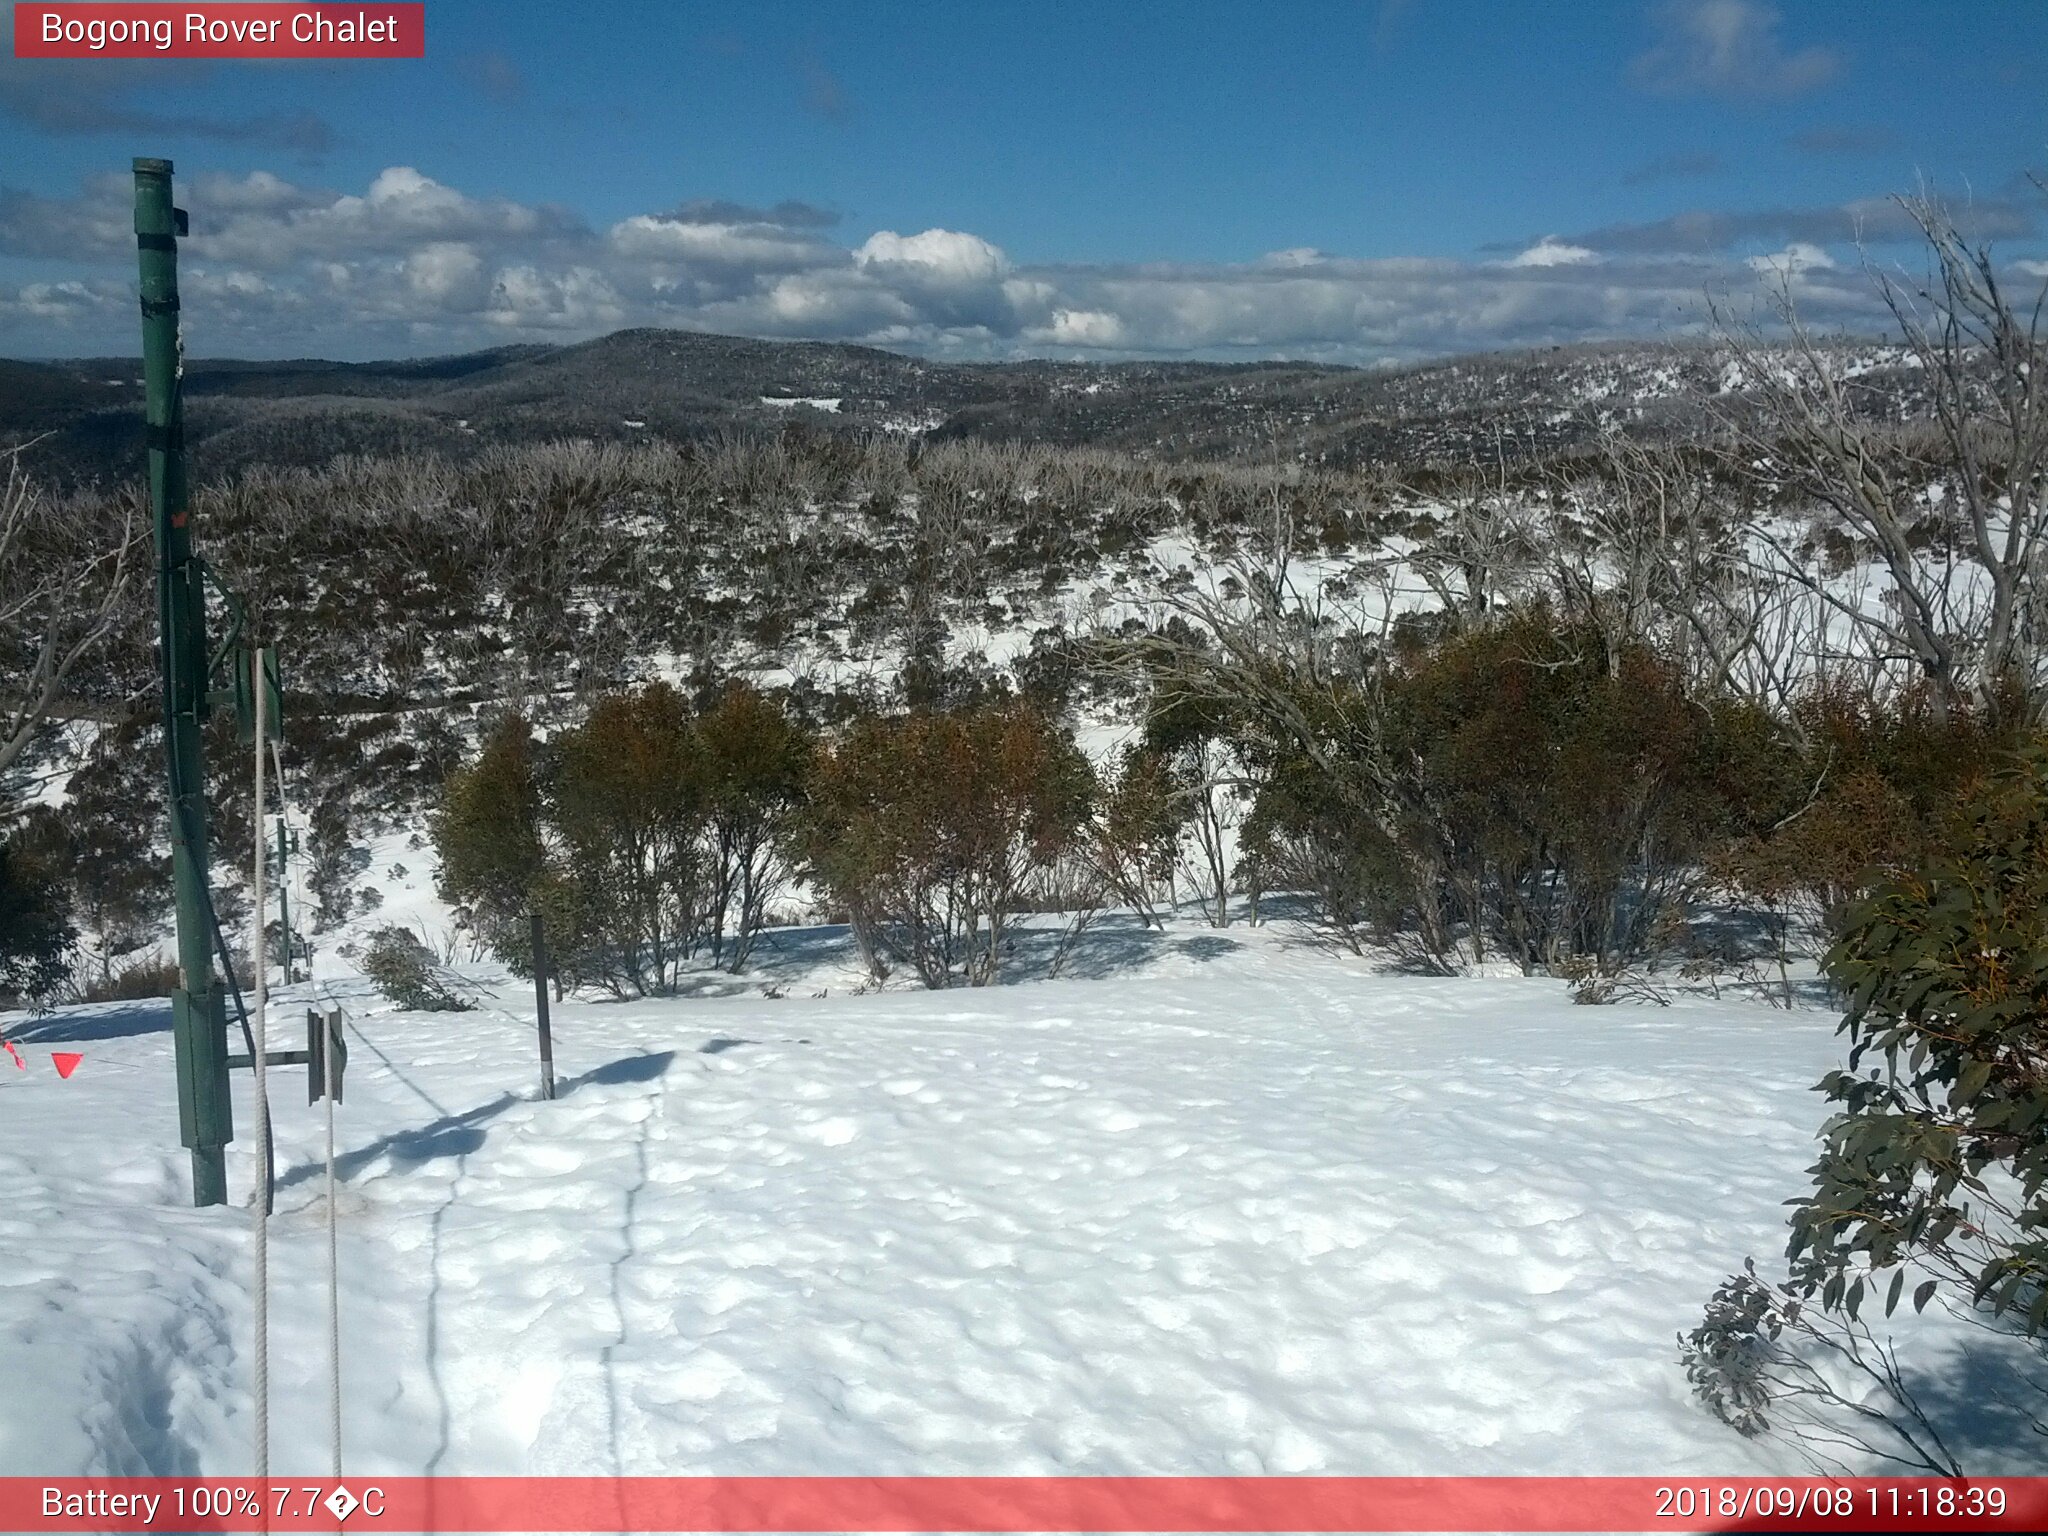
pixel 641 384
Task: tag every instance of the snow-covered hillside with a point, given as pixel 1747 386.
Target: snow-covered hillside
pixel 1214 1203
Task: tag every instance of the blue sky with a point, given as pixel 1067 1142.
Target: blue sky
pixel 1360 182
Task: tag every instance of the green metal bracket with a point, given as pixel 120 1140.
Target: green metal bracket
pixel 326 1056
pixel 238 623
pixel 206 1116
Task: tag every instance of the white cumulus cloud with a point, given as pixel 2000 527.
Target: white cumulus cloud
pixel 1090 328
pixel 447 275
pixel 948 254
pixel 1553 252
pixel 1795 259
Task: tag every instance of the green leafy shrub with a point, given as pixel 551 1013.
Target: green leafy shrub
pixel 1305 837
pixel 625 811
pixel 1135 831
pixel 1939 1153
pixel 1874 784
pixel 1933 1167
pixel 405 973
pixel 1516 787
pixel 642 836
pixel 486 831
pixel 926 828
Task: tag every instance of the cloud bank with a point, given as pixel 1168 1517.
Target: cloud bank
pixel 409 265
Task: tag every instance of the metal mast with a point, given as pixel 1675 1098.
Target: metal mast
pixel 198 1007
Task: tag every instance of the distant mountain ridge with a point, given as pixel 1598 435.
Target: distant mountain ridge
pixel 639 384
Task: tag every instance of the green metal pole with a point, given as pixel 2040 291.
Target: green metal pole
pixel 199 1006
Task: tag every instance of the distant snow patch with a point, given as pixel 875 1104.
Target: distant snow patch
pixel 913 425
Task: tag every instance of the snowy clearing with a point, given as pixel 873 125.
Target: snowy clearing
pixel 1222 1203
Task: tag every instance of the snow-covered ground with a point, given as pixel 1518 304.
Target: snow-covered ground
pixel 1217 1202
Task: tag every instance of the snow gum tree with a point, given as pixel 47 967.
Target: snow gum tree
pixel 67 569
pixel 1135 832
pixel 487 832
pixel 926 829
pixel 66 575
pixel 1194 742
pixel 101 847
pixel 641 836
pixel 753 761
pixel 35 934
pixel 626 799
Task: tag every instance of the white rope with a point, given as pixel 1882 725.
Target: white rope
pixel 326 1034
pixel 261 1047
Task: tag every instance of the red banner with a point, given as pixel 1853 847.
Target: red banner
pixel 95 29
pixel 1017 1504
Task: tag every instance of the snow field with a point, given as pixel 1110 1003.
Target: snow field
pixel 1230 1205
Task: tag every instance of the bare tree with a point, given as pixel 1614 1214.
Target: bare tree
pixel 1214 786
pixel 1483 542
pixel 1956 517
pixel 1982 354
pixel 1294 675
pixel 63 582
pixel 1650 546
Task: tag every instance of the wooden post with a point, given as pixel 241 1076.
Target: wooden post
pixel 540 999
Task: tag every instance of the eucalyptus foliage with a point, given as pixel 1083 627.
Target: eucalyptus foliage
pixel 1939 1152
pixel 1932 1168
